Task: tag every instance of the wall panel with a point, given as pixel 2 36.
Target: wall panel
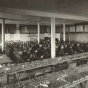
pixel 85 28
pixel 11 36
pixel 79 28
pixel 79 37
pixel 71 28
pixel 10 28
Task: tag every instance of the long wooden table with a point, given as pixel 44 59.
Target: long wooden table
pixel 47 62
pixel 56 75
pixel 56 78
pixel 44 63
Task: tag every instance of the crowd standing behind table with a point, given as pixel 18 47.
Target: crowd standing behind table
pixel 30 51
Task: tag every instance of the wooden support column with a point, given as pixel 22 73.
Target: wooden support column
pixel 52 37
pixel 68 34
pixel 3 34
pixel 63 32
pixel 38 27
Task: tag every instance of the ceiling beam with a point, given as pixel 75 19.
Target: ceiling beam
pixel 29 22
pixel 19 22
pixel 18 17
pixel 23 22
pixel 41 14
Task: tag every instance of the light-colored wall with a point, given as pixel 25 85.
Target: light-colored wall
pixel 80 34
pixel 26 37
pixel 79 37
pixel 76 33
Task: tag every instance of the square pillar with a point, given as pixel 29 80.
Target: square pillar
pixel 3 34
pixel 38 27
pixel 64 32
pixel 53 38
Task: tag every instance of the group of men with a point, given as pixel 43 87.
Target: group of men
pixel 32 51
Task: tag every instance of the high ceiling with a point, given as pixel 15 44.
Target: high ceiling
pixel 67 7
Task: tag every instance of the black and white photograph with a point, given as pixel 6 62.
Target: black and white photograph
pixel 43 43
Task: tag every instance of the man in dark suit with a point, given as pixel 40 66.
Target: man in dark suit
pixel 24 55
pixel 77 48
pixel 60 51
pixel 70 49
pixel 40 52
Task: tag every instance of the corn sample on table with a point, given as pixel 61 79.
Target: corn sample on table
pixel 67 79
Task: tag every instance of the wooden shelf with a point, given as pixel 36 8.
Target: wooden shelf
pixel 73 84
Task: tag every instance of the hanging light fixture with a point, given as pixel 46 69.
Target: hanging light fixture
pixel 17 26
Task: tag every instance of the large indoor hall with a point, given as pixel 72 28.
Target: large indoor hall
pixel 43 44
